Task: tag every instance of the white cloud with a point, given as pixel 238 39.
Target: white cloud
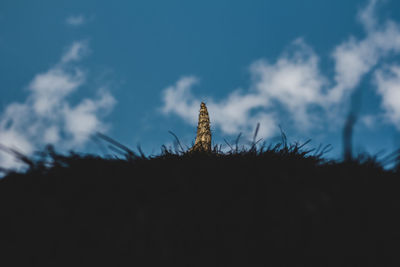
pixel 13 139
pixel 294 83
pixel 355 58
pixel 52 135
pixel 47 116
pixel 50 88
pixel 233 115
pixel 75 52
pixel 82 120
pixel 229 115
pixel 388 84
pixel 367 16
pixel 179 100
pixel 76 20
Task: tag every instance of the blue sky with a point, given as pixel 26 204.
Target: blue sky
pixel 137 69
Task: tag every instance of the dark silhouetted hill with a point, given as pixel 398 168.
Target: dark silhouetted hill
pixel 276 207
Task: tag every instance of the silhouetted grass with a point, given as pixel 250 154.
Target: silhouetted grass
pixel 277 205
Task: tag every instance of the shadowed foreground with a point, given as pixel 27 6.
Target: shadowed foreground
pixel 278 207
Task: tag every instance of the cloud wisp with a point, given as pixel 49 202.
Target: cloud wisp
pixel 47 116
pixel 295 85
pixel 76 20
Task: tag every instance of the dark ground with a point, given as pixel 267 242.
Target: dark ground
pixel 274 208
